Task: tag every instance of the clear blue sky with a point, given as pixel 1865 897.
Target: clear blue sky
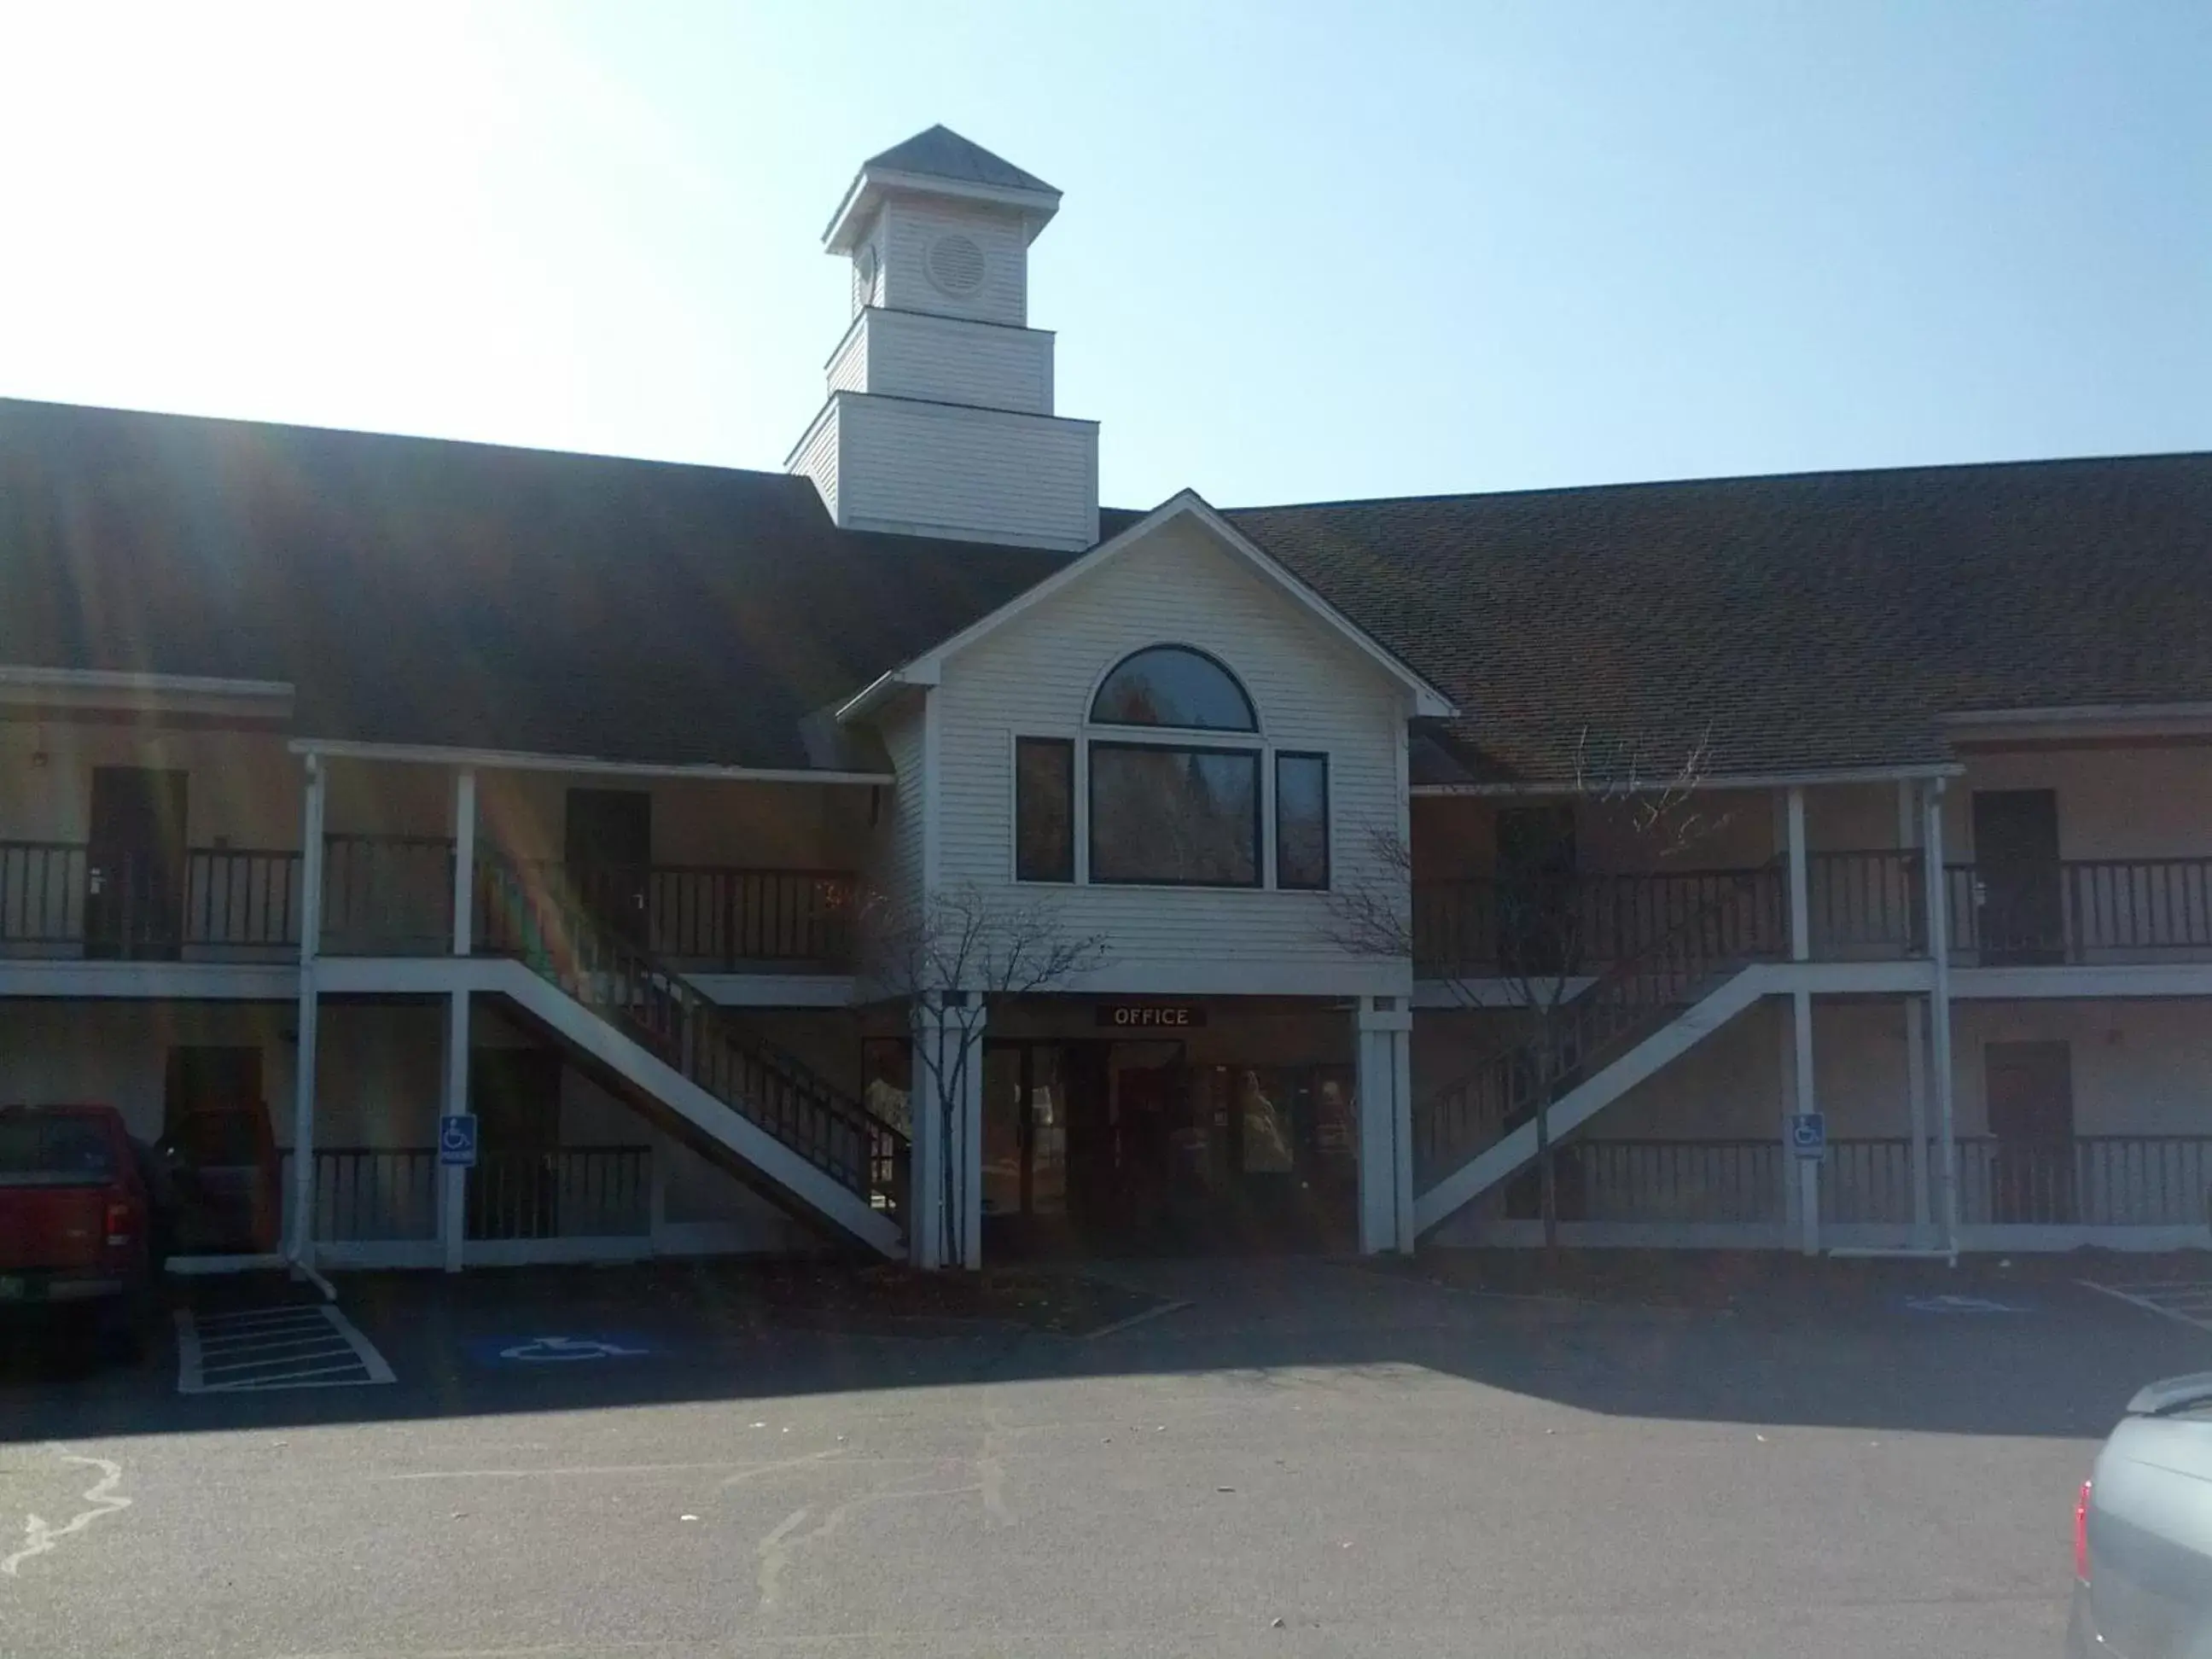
pixel 1306 251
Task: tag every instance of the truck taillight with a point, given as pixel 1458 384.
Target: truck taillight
pixel 122 1219
pixel 2082 1535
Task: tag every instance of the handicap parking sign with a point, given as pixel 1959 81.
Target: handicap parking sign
pixel 457 1142
pixel 1808 1135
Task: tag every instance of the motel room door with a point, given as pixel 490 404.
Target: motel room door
pixel 134 902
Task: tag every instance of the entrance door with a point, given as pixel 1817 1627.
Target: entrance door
pixel 514 1190
pixel 1088 1160
pixel 1025 1137
pixel 610 854
pixel 134 903
pixel 1536 889
pixel 2016 861
pixel 2030 1110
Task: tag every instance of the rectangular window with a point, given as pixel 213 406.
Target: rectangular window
pixel 1302 821
pixel 1175 816
pixel 1044 809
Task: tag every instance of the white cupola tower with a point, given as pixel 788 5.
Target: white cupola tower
pixel 939 419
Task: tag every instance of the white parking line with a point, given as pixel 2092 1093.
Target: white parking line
pixel 312 1345
pixel 2186 1301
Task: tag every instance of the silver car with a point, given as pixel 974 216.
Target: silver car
pixel 2143 1531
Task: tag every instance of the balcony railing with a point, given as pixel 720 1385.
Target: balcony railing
pixel 2091 1181
pixel 393 896
pixel 390 1195
pixel 1588 923
pixel 373 1193
pixel 568 1192
pixel 2082 911
pixel 1862 906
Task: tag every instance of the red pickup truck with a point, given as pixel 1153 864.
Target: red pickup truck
pixel 77 1218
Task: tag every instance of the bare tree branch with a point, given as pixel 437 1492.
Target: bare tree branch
pixel 952 950
pixel 1539 920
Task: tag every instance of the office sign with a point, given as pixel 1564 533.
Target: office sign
pixel 1151 1016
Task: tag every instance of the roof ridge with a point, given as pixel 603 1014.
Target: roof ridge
pixel 1625 485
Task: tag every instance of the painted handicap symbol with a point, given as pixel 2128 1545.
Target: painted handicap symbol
pixel 542 1349
pixel 1960 1304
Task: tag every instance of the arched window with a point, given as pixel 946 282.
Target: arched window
pixel 1173 685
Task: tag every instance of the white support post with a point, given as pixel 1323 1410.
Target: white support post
pixel 1939 1011
pixel 453 1218
pixel 968 1176
pixel 1916 1045
pixel 1786 1063
pixel 948 1088
pixel 1383 1036
pixel 302 1246
pixel 1801 886
pixel 1808 1169
pixel 1800 1014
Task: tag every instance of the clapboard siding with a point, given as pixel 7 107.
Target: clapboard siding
pixel 848 366
pixel 910 228
pixel 899 838
pixel 981 474
pixel 1313 690
pixel 817 456
pixel 909 354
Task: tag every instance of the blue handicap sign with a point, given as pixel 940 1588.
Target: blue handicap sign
pixel 1808 1135
pixel 457 1142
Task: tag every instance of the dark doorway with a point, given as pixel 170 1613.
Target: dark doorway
pixel 2022 915
pixel 1173 1157
pixel 1087 1076
pixel 1025 1141
pixel 133 904
pixel 1535 889
pixel 2030 1100
pixel 209 1079
pixel 514 1190
pixel 610 854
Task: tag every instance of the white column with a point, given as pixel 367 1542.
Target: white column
pixel 948 1089
pixel 1800 890
pixel 1808 1169
pixel 1916 1040
pixel 452 1218
pixel 1939 1011
pixel 1801 1015
pixel 968 1174
pixel 1383 1053
pixel 301 1247
pixel 1785 1066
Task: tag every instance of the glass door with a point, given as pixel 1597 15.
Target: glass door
pixel 1024 1130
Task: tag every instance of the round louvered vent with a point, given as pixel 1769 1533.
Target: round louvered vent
pixel 956 265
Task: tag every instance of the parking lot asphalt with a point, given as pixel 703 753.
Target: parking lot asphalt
pixel 1303 1458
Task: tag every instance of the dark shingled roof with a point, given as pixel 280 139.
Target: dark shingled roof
pixel 423 592
pixel 1821 621
pixel 941 153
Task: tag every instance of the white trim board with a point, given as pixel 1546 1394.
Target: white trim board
pixel 929 668
pixel 1716 782
pixel 73 978
pixel 517 760
pixel 2142 978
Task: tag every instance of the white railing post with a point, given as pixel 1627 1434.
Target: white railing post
pixel 1939 1007
pixel 452 1211
pixel 301 1248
